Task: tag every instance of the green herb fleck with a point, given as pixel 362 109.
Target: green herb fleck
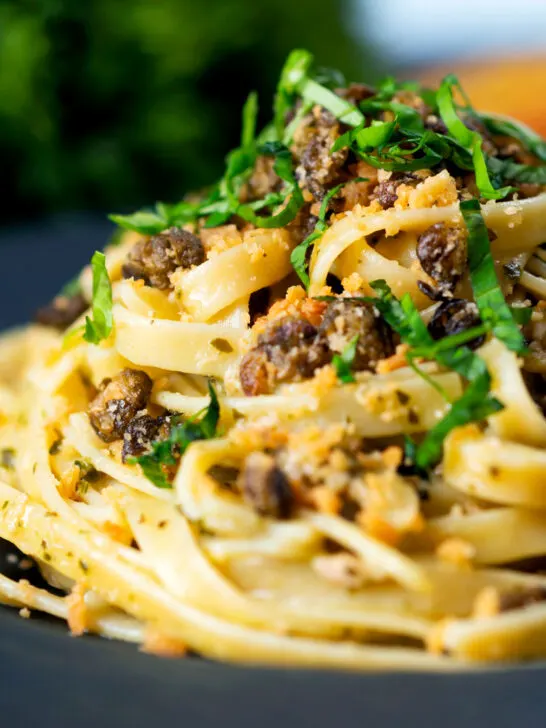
pixel 100 326
pixel 298 257
pixel 530 139
pixel 292 195
pixel 494 311
pixel 474 405
pixel 508 170
pixel 469 139
pixel 7 458
pixel 293 72
pixel 343 362
pixel 202 426
pixel 476 402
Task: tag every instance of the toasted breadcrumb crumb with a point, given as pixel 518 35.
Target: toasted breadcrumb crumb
pixel 439 190
pixel 77 610
pixel 323 381
pixel 27 591
pixel 313 310
pixel 325 500
pixel 217 240
pixel 353 284
pixel 295 303
pixel 378 528
pixel 435 641
pixel 394 362
pixel 384 402
pixel 121 534
pixel 456 551
pixel 255 437
pixel 486 603
pixel 392 456
pixel 157 643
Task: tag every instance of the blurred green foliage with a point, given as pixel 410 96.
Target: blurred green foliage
pixel 107 104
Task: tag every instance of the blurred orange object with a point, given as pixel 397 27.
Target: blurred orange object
pixel 512 86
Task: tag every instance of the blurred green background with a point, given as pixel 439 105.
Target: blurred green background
pixel 111 104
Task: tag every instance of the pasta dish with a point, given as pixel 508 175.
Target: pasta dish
pixel 298 417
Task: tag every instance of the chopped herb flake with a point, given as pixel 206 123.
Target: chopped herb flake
pixel 100 326
pixel 298 258
pixel 494 311
pixel 469 139
pixel 530 139
pixel 182 434
pixel 474 405
pixel 343 362
pixel 451 352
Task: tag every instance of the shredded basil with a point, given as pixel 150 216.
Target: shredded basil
pixel 303 110
pixel 250 115
pixel 299 254
pixel 530 139
pixel 100 326
pixel 240 162
pixel 408 117
pixel 343 110
pixel 297 79
pixel 152 222
pixel 395 145
pixel 505 170
pixel 494 311
pixel 475 404
pixel 403 317
pixel 343 362
pixel 293 197
pixel 330 77
pixel 401 145
pixel 182 434
pixel 294 71
pixel 521 314
pixel 371 137
pixel 469 139
pixel 143 221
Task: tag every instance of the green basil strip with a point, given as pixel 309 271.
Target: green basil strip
pixel 294 71
pixel 471 140
pixel 250 115
pixel 476 402
pixel 507 170
pixel 343 362
pixel 364 137
pixel 182 434
pixel 530 139
pixel 147 223
pixel 474 405
pixel 299 254
pixel 494 311
pixel 312 91
pixel 100 325
pixel 152 222
pixel 283 167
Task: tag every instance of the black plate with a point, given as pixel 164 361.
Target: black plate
pixel 48 678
